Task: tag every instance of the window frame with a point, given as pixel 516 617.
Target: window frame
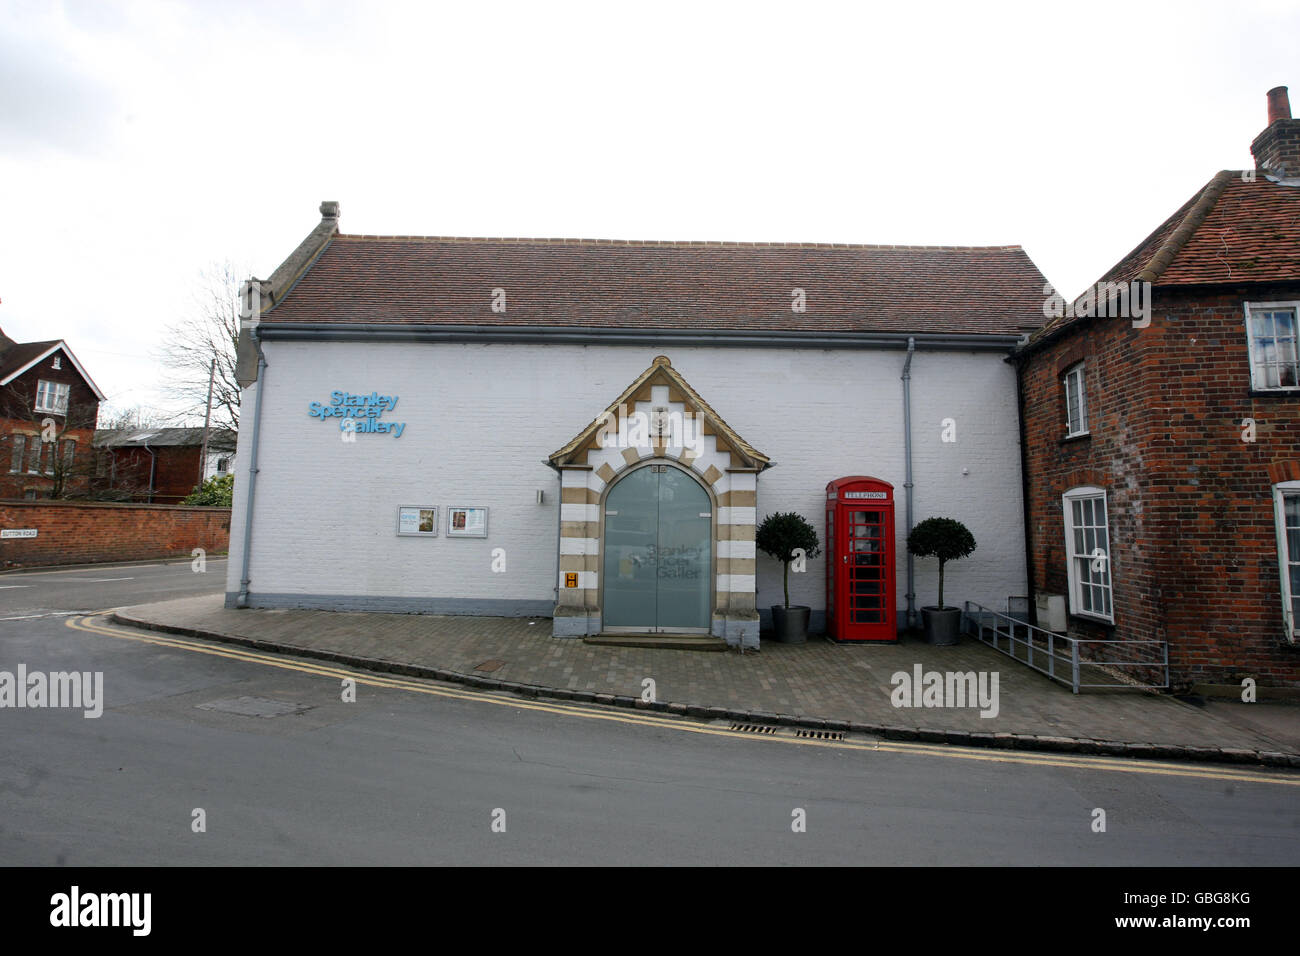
pixel 59 389
pixel 17 453
pixel 1076 370
pixel 1092 493
pixel 1252 308
pixel 1281 491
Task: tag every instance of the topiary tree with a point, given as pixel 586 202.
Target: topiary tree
pixel 218 491
pixel 944 538
pixel 781 534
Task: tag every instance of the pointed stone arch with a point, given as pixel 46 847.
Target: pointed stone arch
pixel 659 416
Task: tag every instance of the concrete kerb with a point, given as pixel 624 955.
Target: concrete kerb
pixel 1004 741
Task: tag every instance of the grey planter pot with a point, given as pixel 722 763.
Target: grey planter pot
pixel 790 624
pixel 942 624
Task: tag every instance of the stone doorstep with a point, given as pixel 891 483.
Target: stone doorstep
pixel 677 642
pixel 951 738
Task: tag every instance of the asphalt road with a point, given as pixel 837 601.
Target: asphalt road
pixel 416 773
pixel 97 587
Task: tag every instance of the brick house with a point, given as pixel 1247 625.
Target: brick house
pixel 1162 451
pixel 48 409
pixel 158 465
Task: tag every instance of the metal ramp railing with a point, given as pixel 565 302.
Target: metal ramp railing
pixel 1061 657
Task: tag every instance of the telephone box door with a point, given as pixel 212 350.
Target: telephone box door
pixel 860 573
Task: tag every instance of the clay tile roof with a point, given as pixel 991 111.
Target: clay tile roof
pixel 668 285
pixel 1231 231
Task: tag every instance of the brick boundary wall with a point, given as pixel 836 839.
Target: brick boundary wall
pixel 88 532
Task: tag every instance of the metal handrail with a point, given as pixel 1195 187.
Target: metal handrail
pixel 1005 626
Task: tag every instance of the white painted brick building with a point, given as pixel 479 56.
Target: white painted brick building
pixel 500 352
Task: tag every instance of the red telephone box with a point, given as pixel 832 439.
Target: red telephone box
pixel 860 560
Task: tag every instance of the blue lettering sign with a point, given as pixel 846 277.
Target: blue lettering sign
pixel 360 413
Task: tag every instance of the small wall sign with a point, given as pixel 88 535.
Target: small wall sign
pixel 18 533
pixel 570 579
pixel 466 521
pixel 421 522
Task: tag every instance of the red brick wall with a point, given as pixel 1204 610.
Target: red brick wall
pixel 1193 540
pixel 16 484
pixel 178 474
pixel 175 472
pixel 89 532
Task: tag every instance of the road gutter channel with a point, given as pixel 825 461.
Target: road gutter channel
pixel 959 738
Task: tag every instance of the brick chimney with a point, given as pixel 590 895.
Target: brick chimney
pixel 1277 149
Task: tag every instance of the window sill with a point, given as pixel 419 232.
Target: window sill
pixel 1292 392
pixel 1093 618
pixel 1073 438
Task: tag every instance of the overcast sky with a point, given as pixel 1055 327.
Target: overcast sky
pixel 142 142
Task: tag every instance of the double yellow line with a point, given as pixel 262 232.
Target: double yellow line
pixel 95 624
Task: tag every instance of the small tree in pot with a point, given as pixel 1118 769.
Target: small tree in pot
pixel 946 539
pixel 780 535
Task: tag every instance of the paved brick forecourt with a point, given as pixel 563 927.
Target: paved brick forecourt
pixel 847 687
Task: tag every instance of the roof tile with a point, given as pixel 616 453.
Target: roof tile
pixel 668 285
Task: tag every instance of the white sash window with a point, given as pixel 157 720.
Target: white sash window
pixel 1087 551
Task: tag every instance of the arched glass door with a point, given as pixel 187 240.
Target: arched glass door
pixel 658 553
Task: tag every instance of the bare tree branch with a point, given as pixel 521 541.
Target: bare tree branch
pixel 209 331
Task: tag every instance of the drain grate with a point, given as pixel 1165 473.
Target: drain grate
pixel 820 734
pixel 754 728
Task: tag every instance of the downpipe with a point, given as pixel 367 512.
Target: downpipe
pixel 242 600
pixel 907 482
